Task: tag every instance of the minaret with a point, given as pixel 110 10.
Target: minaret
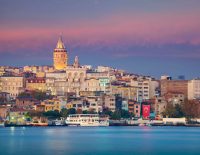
pixel 60 57
pixel 76 62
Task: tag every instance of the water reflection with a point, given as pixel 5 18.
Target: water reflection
pixel 12 131
pixel 109 140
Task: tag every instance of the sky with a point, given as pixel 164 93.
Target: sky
pixel 149 37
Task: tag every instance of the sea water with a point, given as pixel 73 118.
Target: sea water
pixel 100 140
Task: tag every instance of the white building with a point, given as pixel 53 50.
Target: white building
pixel 125 104
pixel 104 69
pixel 109 102
pixel 194 89
pixel 12 85
pixel 56 83
pixel 165 77
pixel 95 103
pixel 160 106
pixel 146 88
pixel 97 81
pixel 60 83
pixel 75 79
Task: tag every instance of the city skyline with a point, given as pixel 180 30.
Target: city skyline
pixel 150 38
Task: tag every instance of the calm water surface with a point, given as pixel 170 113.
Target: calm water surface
pixel 99 140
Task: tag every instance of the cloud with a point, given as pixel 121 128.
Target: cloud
pixel 117 32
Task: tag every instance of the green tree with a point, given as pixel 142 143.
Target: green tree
pixel 125 114
pixel 169 110
pixel 24 94
pixel 34 114
pixel 116 115
pixel 89 112
pixel 107 111
pixel 2 100
pixel 52 114
pixel 175 111
pixel 92 111
pixel 39 95
pixel 64 112
pixel 178 111
pixel 71 111
pixel 85 112
pixel 132 115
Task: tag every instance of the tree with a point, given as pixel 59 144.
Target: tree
pixel 116 115
pixel 107 111
pixel 191 109
pixel 125 114
pixel 173 111
pixel 24 94
pixel 2 100
pixel 71 111
pixel 64 112
pixel 178 111
pixel 39 95
pixel 85 112
pixel 169 110
pixel 52 114
pixel 92 111
pixel 34 114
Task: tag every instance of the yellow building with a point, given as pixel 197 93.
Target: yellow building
pixel 51 105
pixel 2 70
pixel 36 84
pixel 60 56
pixel 40 74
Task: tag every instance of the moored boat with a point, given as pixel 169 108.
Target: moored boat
pixel 59 122
pixel 2 124
pixel 38 124
pixel 141 124
pixel 86 120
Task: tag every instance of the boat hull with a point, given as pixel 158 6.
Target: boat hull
pixel 86 120
pixel 38 124
pixel 87 124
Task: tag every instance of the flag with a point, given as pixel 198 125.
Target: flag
pixel 145 111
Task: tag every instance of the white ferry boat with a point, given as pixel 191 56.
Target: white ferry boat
pixel 59 122
pixel 86 120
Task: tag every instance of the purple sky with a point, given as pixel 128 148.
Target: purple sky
pixel 150 37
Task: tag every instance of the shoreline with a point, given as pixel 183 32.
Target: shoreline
pixel 181 125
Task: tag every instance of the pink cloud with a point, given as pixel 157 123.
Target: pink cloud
pixel 121 29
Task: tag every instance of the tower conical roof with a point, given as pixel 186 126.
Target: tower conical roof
pixel 60 44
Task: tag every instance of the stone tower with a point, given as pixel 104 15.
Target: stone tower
pixel 76 62
pixel 60 57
